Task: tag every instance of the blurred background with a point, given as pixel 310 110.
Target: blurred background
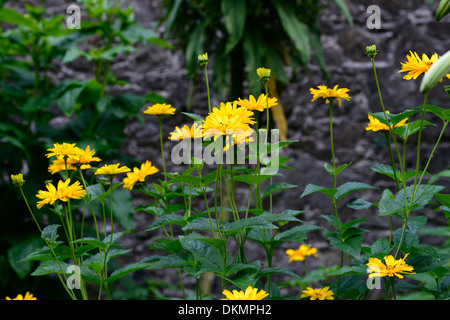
pixel 89 85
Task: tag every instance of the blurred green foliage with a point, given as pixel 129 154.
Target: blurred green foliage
pixel 40 106
pixel 245 35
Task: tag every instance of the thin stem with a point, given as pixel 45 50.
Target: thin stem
pixel 207 88
pixel 162 148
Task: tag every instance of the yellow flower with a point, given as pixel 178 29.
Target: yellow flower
pixel 376 125
pixel 249 294
pixel 28 296
pixel 327 94
pixel 111 170
pixel 301 253
pixel 139 174
pixel 226 119
pixel 83 158
pixel 391 268
pixel 257 105
pixel 231 121
pixel 63 150
pixel 415 66
pixel 186 133
pixel 17 179
pixel 318 294
pixel 78 159
pixel 263 73
pixel 160 109
pixel 63 192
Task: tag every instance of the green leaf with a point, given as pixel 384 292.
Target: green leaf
pixel 297 31
pixel 423 196
pixel 341 4
pixel 93 242
pixel 248 223
pixel 350 187
pixel 234 13
pixel 50 233
pixel 194 116
pixel 360 204
pixel 276 187
pixel 167 219
pixel 351 246
pixel 127 270
pixel 277 270
pixel 49 267
pixel 13 17
pixel 312 188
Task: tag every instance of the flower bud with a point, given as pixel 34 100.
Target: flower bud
pixel 438 70
pixel 264 74
pixel 442 10
pixel 203 59
pixel 17 179
pixel 372 51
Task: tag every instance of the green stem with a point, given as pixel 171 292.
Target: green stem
pixel 162 148
pixel 207 88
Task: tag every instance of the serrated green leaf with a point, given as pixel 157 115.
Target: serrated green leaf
pixel 276 187
pixel 167 219
pixel 312 188
pixel 93 242
pixel 350 187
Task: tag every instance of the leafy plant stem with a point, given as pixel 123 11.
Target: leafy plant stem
pixel 207 87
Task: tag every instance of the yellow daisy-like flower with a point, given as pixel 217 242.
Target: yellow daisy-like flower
pixel 139 175
pixel 62 150
pixel 301 253
pixel 78 159
pixel 231 121
pixel 110 170
pixel 28 296
pixel 225 119
pixel 186 133
pixel 376 125
pixel 62 192
pixel 257 105
pixel 327 94
pixel 415 66
pixel 83 157
pixel 318 294
pixel 17 179
pixel 390 268
pixel 160 109
pixel 249 294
